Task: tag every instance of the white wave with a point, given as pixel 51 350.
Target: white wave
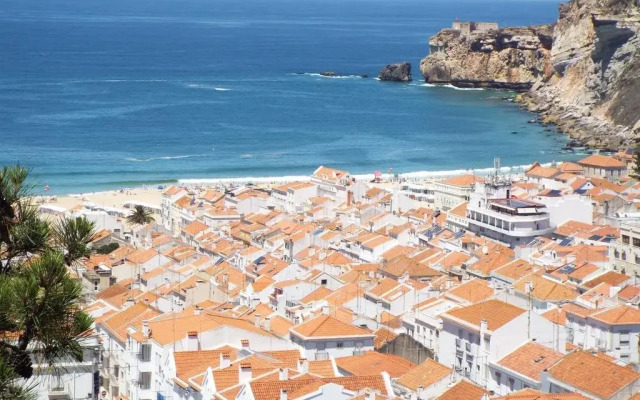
pixel 332 77
pixel 449 86
pixel 247 155
pixel 252 179
pixel 516 170
pixel 207 87
pixel 134 159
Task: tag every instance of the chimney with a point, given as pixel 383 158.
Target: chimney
pixel 225 359
pixel 245 344
pixel 371 395
pixel 267 324
pixel 145 329
pixel 303 365
pixel 192 341
pixel 349 198
pixel 197 310
pixel 326 310
pixel 244 372
pixel 283 374
pixel 257 320
pixel 283 394
pixel 421 393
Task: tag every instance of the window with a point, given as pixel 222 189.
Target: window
pixel 624 338
pixel 498 377
pixel 512 383
pixel 323 281
pixel 145 380
pixel 625 239
pixel 340 345
pixel 145 352
pixel 636 242
pixel 116 371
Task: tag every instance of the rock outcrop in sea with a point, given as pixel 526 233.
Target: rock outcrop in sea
pixel 508 58
pixel 398 72
pixel 582 73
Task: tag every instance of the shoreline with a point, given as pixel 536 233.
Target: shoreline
pixel 153 195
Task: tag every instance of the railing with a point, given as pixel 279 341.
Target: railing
pixel 358 352
pixel 322 355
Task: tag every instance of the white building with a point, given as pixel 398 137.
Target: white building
pixel 613 331
pixel 73 380
pixel 599 166
pixel 472 337
pixel 452 192
pixel 492 212
pixel 325 336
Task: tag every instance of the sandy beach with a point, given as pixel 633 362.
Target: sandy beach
pixel 115 198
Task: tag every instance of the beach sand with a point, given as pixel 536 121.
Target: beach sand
pixel 116 198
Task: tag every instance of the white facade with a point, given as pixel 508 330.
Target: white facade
pixel 469 349
pixel 492 212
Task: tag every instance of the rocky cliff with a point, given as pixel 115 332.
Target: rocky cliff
pixel 583 72
pixel 509 58
pixel 594 92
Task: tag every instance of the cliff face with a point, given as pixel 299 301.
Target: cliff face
pixel 594 93
pixel 584 72
pixel 509 58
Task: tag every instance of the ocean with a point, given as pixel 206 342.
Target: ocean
pixel 98 95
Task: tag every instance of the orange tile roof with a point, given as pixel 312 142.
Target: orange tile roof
pixel 611 277
pixel 531 360
pixel 190 363
pixel 383 336
pixel 463 180
pixel 496 312
pixel 373 362
pixel 592 374
pixel 463 390
pixel 322 368
pixel 328 326
pixel 620 315
pixel 118 323
pixel 598 160
pixel 195 227
pixel 318 294
pixel 471 291
pixel 425 375
pixel 545 289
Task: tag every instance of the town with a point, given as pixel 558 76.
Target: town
pixel 470 287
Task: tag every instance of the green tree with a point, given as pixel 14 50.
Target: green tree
pixel 140 216
pixel 40 303
pixel 74 236
pixel 635 173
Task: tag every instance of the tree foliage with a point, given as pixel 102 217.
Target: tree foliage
pixel 140 216
pixel 40 316
pixel 635 173
pixel 107 248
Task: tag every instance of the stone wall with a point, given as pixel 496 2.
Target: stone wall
pixel 406 347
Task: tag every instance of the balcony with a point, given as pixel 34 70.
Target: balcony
pixel 59 392
pixel 358 352
pixel 322 355
pixel 601 344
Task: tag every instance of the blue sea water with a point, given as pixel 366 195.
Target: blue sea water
pixel 98 94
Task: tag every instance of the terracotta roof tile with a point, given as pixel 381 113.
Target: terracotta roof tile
pixel 592 374
pixel 373 362
pixel 463 390
pixel 328 326
pixel 425 375
pixel 531 359
pixel 496 312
